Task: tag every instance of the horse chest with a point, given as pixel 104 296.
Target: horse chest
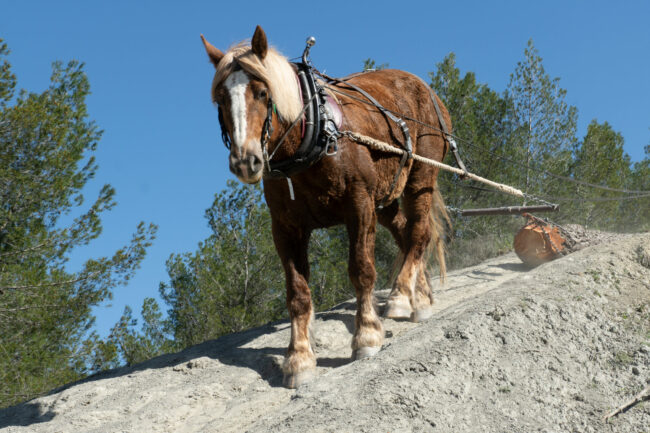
pixel 311 207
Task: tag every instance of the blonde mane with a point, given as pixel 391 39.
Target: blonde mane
pixel 275 71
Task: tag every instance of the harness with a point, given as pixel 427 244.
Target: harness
pixel 320 129
pixel 405 131
pixel 320 126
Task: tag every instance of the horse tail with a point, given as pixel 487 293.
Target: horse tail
pixel 438 221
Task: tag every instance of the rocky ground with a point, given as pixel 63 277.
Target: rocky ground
pixel 553 349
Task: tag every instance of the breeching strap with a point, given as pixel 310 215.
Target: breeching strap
pixel 450 139
pixel 385 147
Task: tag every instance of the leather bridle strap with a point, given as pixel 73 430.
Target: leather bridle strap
pixel 267 129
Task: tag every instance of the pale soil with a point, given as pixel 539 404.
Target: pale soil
pixel 509 349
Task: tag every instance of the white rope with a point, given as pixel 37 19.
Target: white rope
pixel 385 147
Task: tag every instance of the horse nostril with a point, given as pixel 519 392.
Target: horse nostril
pixel 235 167
pixel 254 163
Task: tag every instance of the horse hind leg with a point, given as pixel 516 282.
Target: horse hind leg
pixel 424 293
pixel 411 297
pixel 398 305
pixel 423 296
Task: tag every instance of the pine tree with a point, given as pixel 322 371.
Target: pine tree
pixel 480 118
pixel 636 211
pixel 545 125
pixel 370 65
pixel 46 158
pixel 134 346
pixel 234 280
pixel 600 160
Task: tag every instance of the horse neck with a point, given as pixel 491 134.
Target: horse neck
pixel 294 137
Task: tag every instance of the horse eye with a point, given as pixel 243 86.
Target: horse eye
pixel 263 94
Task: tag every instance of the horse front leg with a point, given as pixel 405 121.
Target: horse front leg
pixel 291 244
pixel 369 332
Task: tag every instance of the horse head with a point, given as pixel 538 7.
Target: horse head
pixel 249 82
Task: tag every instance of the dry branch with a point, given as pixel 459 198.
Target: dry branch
pixel 643 395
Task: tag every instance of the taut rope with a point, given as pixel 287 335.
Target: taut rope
pixel 385 147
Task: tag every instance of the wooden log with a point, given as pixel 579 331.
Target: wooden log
pixel 538 242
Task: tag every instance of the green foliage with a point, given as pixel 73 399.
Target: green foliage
pixel 234 280
pixel 480 115
pixel 328 252
pixel 544 126
pixel 133 346
pixel 636 212
pixel 600 159
pixel 46 158
pixel 329 282
pixel 525 137
pixel 370 65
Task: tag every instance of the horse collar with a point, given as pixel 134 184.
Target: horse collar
pixel 320 129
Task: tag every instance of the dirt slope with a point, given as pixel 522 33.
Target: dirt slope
pixel 508 350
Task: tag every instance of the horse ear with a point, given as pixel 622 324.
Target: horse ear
pixel 259 44
pixel 214 53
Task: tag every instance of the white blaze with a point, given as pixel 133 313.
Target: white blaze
pixel 236 84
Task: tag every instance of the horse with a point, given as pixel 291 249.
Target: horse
pixel 259 97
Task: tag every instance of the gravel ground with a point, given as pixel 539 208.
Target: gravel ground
pixel 553 349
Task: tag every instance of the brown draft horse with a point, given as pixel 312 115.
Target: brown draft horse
pixel 342 189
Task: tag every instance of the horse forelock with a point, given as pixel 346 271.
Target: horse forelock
pixel 275 71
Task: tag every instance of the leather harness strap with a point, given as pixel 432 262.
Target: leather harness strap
pixel 405 131
pixel 448 137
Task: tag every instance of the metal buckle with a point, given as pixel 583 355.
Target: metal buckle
pixel 332 148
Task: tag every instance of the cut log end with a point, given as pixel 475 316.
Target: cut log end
pixel 538 243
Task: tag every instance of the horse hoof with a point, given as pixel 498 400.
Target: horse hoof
pixel 293 381
pixel 421 314
pixel 365 352
pixel 397 310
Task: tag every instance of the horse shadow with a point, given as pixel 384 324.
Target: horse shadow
pixel 24 414
pixel 515 267
pixel 232 349
pixel 228 349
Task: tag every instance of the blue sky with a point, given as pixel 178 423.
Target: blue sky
pixel 150 83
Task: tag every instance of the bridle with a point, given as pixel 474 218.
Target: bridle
pixel 267 129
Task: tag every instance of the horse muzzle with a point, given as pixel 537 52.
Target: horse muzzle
pixel 248 169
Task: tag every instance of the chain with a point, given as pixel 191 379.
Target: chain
pixel 455 210
pixel 539 200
